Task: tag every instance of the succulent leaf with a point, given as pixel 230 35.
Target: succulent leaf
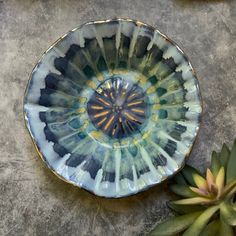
pixel 175 224
pixel 201 192
pixel 188 173
pixel 229 189
pixel 211 182
pixel 184 209
pixel 225 229
pixel 193 201
pixel 231 167
pixel 214 196
pixel 179 179
pixel 211 229
pixel 220 180
pixel 199 224
pixel 228 213
pixel 224 156
pixel 210 178
pixel 182 190
pixel 200 181
pixel 215 163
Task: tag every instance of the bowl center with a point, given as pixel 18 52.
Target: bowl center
pixel 118 107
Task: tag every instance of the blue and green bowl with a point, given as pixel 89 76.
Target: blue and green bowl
pixel 113 107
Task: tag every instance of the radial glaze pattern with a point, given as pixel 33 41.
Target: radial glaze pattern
pixel 113 107
pixel 118 108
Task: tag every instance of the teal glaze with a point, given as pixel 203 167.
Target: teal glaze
pixel 113 107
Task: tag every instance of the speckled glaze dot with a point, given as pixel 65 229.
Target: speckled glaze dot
pixel 113 107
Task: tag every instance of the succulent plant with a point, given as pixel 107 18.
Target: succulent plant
pixel 209 204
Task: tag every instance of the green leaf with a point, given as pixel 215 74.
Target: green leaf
pixel 229 189
pixel 224 156
pixel 220 180
pixel 200 181
pixel 179 179
pixel 228 214
pixel 225 229
pixel 231 167
pixel 182 190
pixel 211 229
pixel 200 223
pixel 175 225
pixel 234 206
pixel 193 201
pixel 184 209
pixel 215 163
pixel 189 172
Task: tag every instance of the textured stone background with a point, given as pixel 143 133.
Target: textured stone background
pixel 35 202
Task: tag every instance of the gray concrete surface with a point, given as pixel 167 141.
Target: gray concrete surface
pixel 35 202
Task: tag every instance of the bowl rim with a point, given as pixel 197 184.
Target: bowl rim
pixel 34 141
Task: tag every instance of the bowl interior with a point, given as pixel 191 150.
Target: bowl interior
pixel 113 107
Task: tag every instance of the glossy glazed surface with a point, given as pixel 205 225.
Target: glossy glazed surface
pixel 113 107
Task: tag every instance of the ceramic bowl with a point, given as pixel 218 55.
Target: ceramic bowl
pixel 113 107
